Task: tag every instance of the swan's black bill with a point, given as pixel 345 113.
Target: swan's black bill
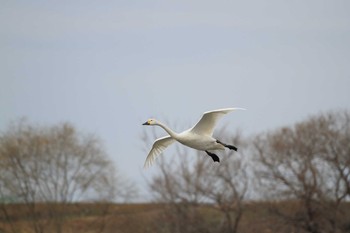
pixel 146 123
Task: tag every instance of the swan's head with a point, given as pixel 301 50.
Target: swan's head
pixel 150 122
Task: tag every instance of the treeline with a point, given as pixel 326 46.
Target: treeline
pixel 291 179
pixel 43 170
pixel 306 164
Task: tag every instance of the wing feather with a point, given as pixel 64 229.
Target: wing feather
pixel 158 147
pixel 205 126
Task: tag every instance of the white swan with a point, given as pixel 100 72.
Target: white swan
pixel 198 137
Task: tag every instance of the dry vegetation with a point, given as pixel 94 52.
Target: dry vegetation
pixel 300 175
pixel 137 218
pixel 308 163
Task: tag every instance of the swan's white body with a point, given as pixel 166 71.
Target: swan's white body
pixel 198 137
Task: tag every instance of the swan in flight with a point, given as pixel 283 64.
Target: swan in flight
pixel 198 137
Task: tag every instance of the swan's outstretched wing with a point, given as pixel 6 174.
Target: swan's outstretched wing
pixel 158 147
pixel 206 124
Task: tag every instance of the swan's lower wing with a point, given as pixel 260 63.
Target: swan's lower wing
pixel 158 147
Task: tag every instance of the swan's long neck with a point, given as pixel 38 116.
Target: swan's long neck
pixel 168 130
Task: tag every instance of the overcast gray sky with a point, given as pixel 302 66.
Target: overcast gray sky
pixel 107 66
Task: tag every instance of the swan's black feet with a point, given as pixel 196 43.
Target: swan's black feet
pixel 228 146
pixel 232 147
pixel 213 156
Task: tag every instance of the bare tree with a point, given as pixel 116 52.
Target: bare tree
pixel 310 163
pixel 53 165
pixel 193 182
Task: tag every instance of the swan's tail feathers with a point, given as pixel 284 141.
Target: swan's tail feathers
pixel 158 147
